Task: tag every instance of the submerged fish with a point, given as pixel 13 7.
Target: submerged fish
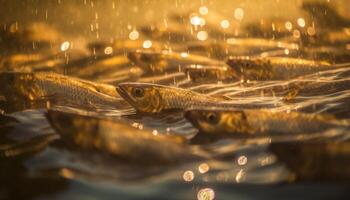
pixel 27 147
pixel 315 161
pixel 171 33
pixel 274 68
pixel 259 122
pixel 262 43
pixel 325 16
pixel 203 74
pixel 119 139
pixel 153 98
pixel 267 28
pixel 153 61
pixel 30 87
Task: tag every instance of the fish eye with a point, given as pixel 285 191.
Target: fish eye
pixel 138 92
pixel 212 118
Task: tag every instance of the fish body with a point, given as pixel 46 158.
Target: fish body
pixel 259 122
pixel 275 68
pixel 35 86
pixel 153 98
pixel 117 138
pixel 202 73
pixel 325 16
pixel 268 28
pixel 315 161
pixel 171 33
pixel 164 61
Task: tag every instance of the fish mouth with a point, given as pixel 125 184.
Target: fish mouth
pixel 124 94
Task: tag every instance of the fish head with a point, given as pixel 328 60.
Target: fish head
pixel 216 121
pixel 17 86
pixel 143 97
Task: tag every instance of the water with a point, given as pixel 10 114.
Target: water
pixel 91 40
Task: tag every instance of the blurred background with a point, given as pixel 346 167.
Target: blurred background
pixel 107 19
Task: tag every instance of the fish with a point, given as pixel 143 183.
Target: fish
pixel 27 147
pixel 276 68
pixel 119 139
pixel 106 66
pixel 170 33
pixel 18 86
pixel 236 47
pixel 268 28
pixel 155 61
pixel 259 122
pixel 325 16
pixel 154 98
pixel 262 43
pixel 315 161
pixel 204 74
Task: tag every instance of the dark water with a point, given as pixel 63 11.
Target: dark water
pixel 87 39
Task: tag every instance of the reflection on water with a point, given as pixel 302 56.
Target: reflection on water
pixel 75 137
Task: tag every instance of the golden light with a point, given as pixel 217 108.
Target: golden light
pixel 289 25
pixel 155 132
pixel 108 50
pixel 184 54
pixel 286 51
pixel 239 14
pixel 202 35
pixel 206 194
pixel 134 35
pixel 240 176
pixel 311 31
pixel 203 10
pixel 195 20
pixel 242 160
pixel 203 168
pixel 65 46
pixel 296 33
pixel 225 24
pixel 147 44
pixel 188 176
pixel 301 22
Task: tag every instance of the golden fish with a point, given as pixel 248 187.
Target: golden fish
pixel 274 68
pixel 259 122
pixel 16 86
pixel 119 139
pixel 153 98
pixel 202 73
pixel 164 61
pixel 315 161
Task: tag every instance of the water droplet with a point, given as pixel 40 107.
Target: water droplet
pixel 65 46
pixel 134 35
pixel 203 10
pixel 225 23
pixel 147 44
pixel 202 35
pixel 203 168
pixel 188 176
pixel 206 194
pixel 301 22
pixel 239 14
